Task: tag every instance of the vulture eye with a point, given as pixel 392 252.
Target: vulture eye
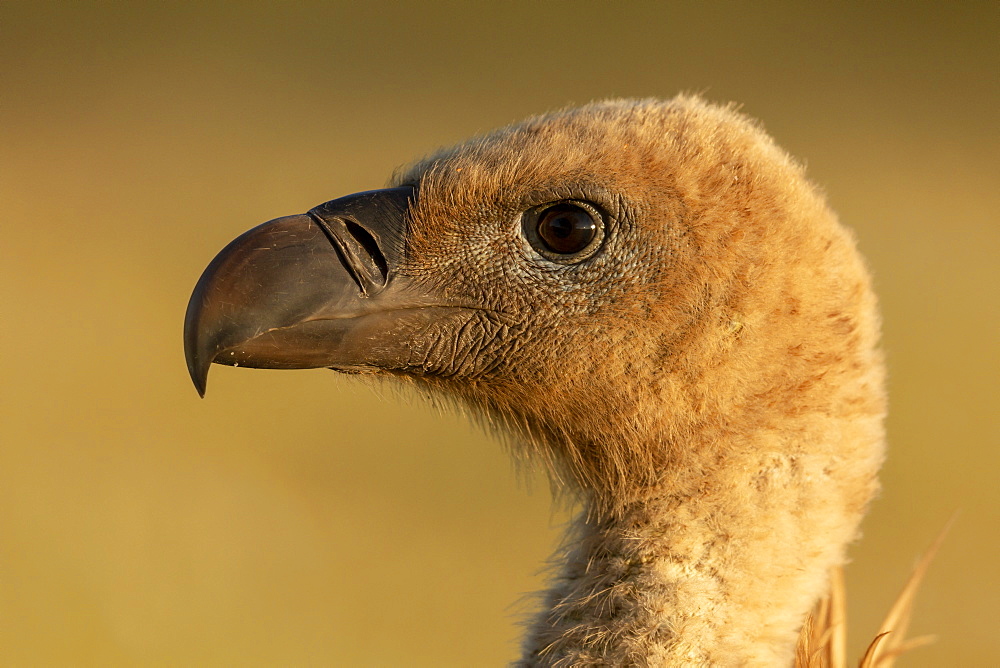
pixel 565 232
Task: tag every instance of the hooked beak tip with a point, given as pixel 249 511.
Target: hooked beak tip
pixel 200 381
pixel 196 351
pixel 198 369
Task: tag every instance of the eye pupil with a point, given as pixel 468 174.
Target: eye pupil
pixel 566 228
pixel 561 227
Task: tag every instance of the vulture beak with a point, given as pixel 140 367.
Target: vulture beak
pixel 307 291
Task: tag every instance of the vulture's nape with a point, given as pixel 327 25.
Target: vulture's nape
pixel 653 300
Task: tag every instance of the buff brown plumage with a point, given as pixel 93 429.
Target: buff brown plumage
pixel 703 374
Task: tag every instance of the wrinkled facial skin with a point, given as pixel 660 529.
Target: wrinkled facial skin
pixel 547 320
pixel 529 308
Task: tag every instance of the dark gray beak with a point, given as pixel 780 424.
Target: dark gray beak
pixel 315 290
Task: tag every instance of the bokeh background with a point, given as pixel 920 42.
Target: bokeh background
pixel 304 518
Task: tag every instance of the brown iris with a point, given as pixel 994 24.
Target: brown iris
pixel 566 228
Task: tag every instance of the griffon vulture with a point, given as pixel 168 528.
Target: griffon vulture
pixel 652 299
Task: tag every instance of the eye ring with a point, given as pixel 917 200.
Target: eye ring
pixel 565 232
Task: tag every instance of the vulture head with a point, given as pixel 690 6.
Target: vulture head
pixel 651 299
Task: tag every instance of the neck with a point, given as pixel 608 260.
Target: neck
pixel 716 564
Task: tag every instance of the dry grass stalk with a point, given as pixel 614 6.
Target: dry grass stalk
pixel 823 641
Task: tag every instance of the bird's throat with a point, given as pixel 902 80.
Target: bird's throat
pixel 714 570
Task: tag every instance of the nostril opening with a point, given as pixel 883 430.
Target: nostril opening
pixel 367 241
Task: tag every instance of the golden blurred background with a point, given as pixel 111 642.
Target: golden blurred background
pixel 306 518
